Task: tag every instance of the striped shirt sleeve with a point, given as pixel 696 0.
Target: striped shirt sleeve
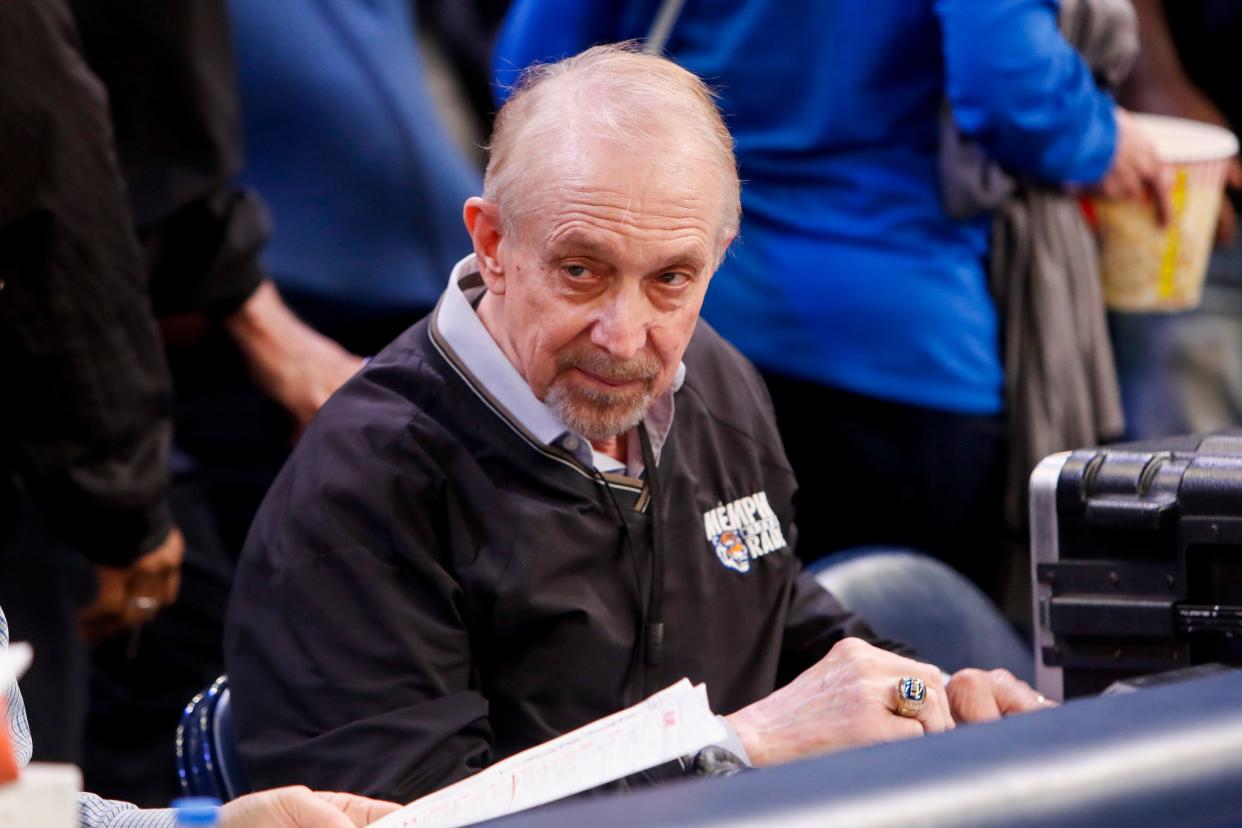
pixel 105 813
pixel 19 728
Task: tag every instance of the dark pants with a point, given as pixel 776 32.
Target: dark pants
pixel 140 683
pixel 877 472
pixel 43 584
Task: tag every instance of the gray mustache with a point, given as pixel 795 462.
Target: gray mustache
pixel 644 367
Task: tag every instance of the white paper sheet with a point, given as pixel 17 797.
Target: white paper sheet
pixel 673 722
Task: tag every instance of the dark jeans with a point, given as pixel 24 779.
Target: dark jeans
pixel 873 472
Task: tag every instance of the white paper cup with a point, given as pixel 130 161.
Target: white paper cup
pixel 46 796
pixel 1146 267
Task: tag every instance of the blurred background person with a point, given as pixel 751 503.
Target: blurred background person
pixel 865 304
pixel 1182 372
pixel 117 203
pixel 458 37
pixel 344 141
pixel 363 187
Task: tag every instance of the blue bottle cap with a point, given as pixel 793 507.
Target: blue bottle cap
pixel 196 811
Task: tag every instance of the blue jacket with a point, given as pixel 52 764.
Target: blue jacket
pixel 344 143
pixel 848 272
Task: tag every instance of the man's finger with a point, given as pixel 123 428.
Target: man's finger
pixel 897 728
pixel 937 717
pixel 973 697
pixel 935 713
pixel 934 681
pixel 359 809
pixel 1014 695
pixel 309 811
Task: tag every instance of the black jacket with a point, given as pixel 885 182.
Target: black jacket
pixel 119 137
pixel 427 589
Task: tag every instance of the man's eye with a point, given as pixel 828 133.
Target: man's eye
pixel 576 271
pixel 673 279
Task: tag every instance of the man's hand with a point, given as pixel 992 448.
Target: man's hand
pixel 291 362
pixel 299 807
pixel 131 596
pixel 979 696
pixel 846 700
pixel 1137 173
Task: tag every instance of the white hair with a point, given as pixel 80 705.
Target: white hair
pixel 615 91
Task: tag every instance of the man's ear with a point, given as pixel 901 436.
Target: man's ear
pixel 482 219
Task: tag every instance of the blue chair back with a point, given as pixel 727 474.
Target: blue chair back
pixel 207 760
pixel 916 599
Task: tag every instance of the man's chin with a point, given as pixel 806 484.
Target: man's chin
pixel 598 416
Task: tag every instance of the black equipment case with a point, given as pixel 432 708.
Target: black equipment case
pixel 1136 554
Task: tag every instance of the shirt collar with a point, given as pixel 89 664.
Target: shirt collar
pixel 462 330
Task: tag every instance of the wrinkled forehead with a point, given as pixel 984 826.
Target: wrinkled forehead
pixel 655 185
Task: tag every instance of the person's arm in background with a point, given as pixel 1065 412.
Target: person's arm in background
pixel 86 391
pixel 1159 84
pixel 1022 91
pixel 178 131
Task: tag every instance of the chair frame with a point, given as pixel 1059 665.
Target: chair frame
pixel 202 767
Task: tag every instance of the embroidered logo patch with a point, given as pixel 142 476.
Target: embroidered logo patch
pixel 743 530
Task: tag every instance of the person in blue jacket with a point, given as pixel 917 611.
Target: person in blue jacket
pixel 864 303
pixel 344 141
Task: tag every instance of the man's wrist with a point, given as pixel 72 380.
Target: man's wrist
pixel 732 742
pixel 745 727
pixel 252 321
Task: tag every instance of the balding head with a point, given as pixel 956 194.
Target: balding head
pixel 648 106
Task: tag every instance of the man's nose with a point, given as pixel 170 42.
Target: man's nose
pixel 621 327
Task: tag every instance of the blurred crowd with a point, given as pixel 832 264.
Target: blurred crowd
pixel 211 213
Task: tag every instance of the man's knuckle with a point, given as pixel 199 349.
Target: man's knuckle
pixel 969 677
pixel 847 645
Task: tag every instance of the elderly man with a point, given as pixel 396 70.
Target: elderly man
pixel 560 492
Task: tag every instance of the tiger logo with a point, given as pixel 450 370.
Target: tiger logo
pixel 731 549
pixel 743 531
